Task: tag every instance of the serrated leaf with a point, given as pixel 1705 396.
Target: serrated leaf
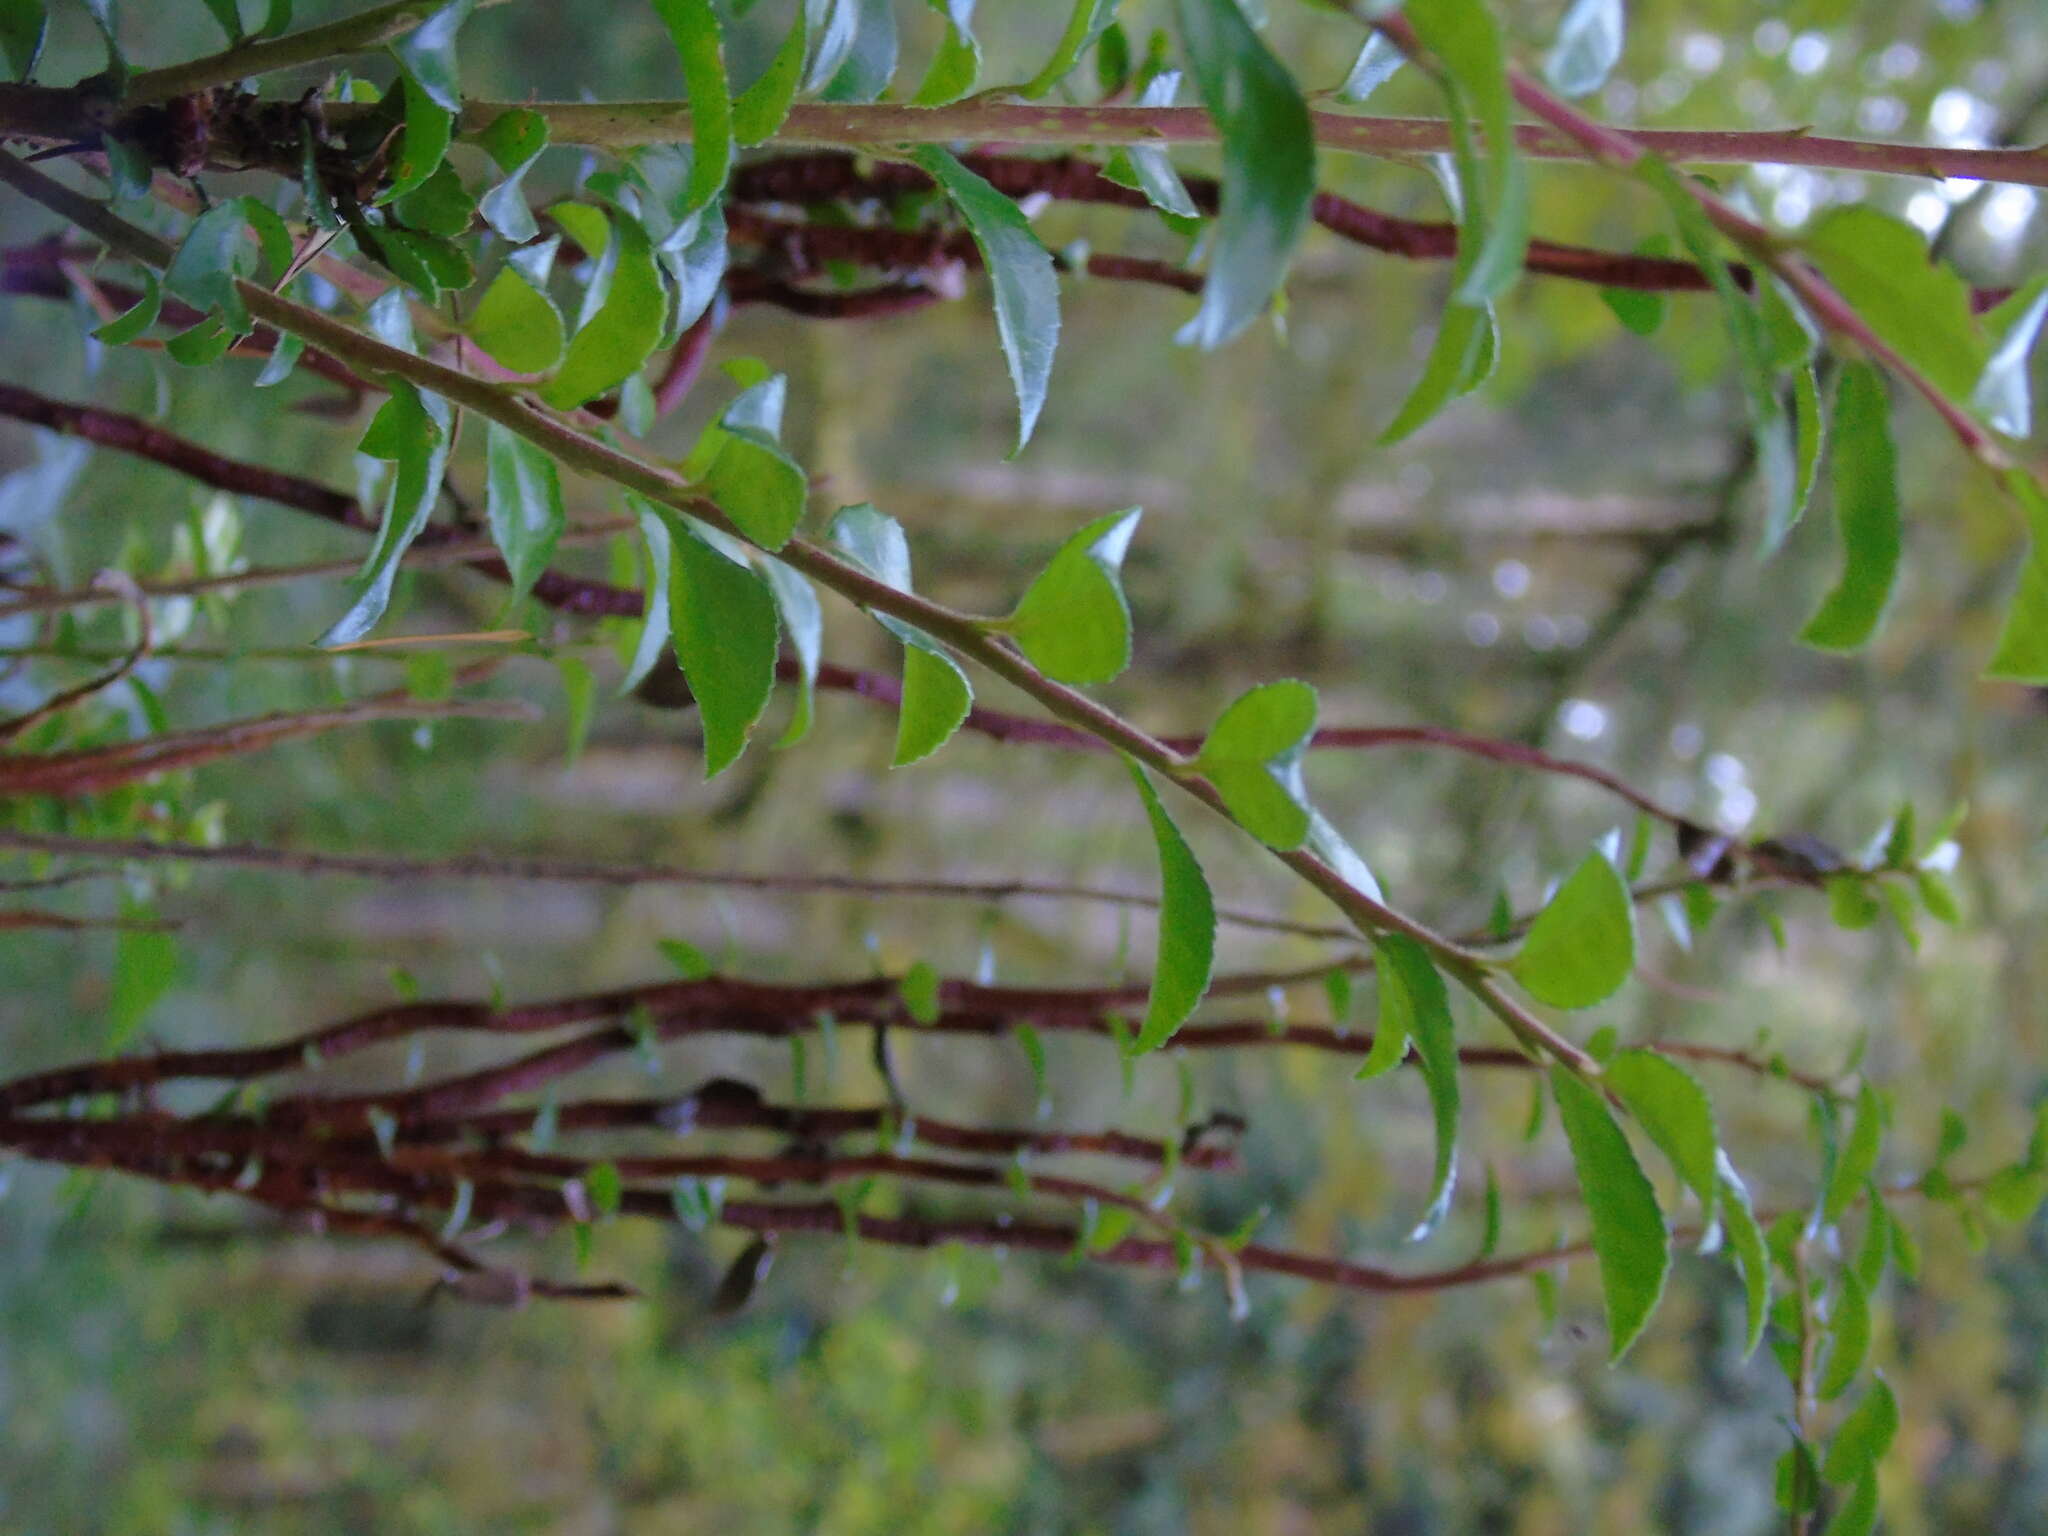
pixel 803 622
pixel 523 504
pixel 615 338
pixel 1073 621
pixel 1746 1244
pixel 1456 364
pixel 1582 945
pixel 1629 1240
pixel 1187 927
pixel 1809 433
pixel 870 62
pixel 956 66
pixel 1857 1160
pixel 1864 470
pixel 1882 267
pixel 1145 167
pixel 1864 1436
pixel 1252 758
pixel 1411 988
pixel 1848 1337
pixel 429 129
pixel 516 322
pixel 404 430
pixel 1673 1110
pixel 202 270
pixel 753 481
pixel 759 110
pixel 936 698
pixel 427 54
pixel 1027 296
pixel 1588 47
pixel 693 28
pixel 832 26
pixel 137 318
pixel 658 559
pixel 722 622
pixel 1269 167
pixel 515 140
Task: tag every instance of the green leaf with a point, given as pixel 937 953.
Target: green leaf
pixel 229 14
pixel 1582 945
pixel 693 27
pixel 1085 24
pixel 723 625
pixel 145 968
pixel 602 1183
pixel 515 140
pixel 284 356
pixel 1457 363
pixel 404 430
pixel 1864 1436
pixel 920 990
pixel 956 66
pixel 614 338
pixel 753 481
pixel 659 559
pixel 1027 295
pixel 690 962
pixel 1494 232
pixel 1629 1239
pixel 1390 1032
pixel 2004 393
pixel 1881 266
pixel 1187 927
pixel 871 60
pixel 427 54
pixel 515 321
pixel 523 503
pixel 1865 474
pixel 429 129
pixel 832 26
pixel 936 698
pixel 1808 434
pixel 1073 621
pixel 2022 653
pixel 1411 988
pixel 1848 1337
pixel 204 344
pixel 1145 167
pixel 1746 1244
pixel 1252 758
pixel 803 621
pixel 442 206
pixel 1588 47
pixel 759 110
pixel 1858 1513
pixel 202 271
pixel 1672 1108
pixel 139 317
pixel 1269 167
pixel 24 26
pixel 1378 62
pixel 1858 1159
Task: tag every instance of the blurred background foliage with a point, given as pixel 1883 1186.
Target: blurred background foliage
pixel 1569 557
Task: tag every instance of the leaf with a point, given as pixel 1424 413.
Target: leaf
pixel 654 604
pixel 1085 24
pixel 1582 945
pixel 284 356
pixel 936 698
pixel 145 968
pixel 804 623
pixel 2004 393
pixel 759 110
pixel 1629 1239
pixel 1864 1436
pixel 920 991
pixel 1252 758
pixel 2022 652
pixel 688 960
pixel 1187 927
pixel 602 1184
pixel 693 27
pixel 1858 1513
pixel 427 53
pixel 1808 434
pixel 515 140
pixel 753 481
pixel 137 318
pixel 202 271
pixel 441 207
pixel 429 129
pixel 1672 1108
pixel 229 14
pixel 1378 62
pixel 1881 265
pixel 722 623
pixel 956 66
pixel 832 26
pixel 1074 622
pixel 1858 1158
pixel 613 341
pixel 1027 296
pixel 1864 469
pixel 1588 47
pixel 1494 233
pixel 1269 167
pixel 1411 988
pixel 523 503
pixel 1456 364
pixel 871 59
pixel 515 321
pixel 404 430
pixel 1746 1243
pixel 1849 1338
pixel 24 26
pixel 1145 167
